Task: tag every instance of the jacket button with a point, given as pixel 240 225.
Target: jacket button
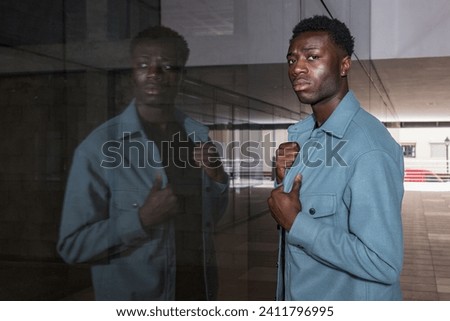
pixel 312 211
pixel 135 205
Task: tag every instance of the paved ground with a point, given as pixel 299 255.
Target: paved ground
pixel 247 249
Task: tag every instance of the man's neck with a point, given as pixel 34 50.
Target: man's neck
pixel 323 110
pixel 156 114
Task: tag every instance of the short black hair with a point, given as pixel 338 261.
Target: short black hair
pixel 165 34
pixel 337 30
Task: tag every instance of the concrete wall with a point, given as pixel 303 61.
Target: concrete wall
pixel 424 138
pixel 261 29
pixel 410 28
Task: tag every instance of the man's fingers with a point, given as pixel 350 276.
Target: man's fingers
pixel 276 191
pixel 281 171
pixel 279 152
pixel 270 201
pixel 286 154
pixel 288 146
pixel 294 146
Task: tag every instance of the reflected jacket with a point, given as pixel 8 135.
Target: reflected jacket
pixel 100 221
pixel 346 243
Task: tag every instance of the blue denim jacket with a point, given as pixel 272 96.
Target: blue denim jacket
pixel 100 222
pixel 346 243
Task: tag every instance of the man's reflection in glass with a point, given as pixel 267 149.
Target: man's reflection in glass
pixel 146 189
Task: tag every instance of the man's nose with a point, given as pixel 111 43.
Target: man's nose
pixel 300 66
pixel 154 71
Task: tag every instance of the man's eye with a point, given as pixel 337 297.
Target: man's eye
pixel 171 67
pixel 290 61
pixel 161 67
pixel 313 57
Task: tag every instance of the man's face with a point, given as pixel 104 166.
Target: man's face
pixel 157 73
pixel 315 67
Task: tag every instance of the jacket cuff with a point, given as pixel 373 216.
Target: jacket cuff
pixel 303 232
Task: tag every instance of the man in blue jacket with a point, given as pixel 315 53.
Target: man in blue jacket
pixel 146 188
pixel 339 181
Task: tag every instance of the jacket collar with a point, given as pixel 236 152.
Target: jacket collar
pixel 338 121
pixel 130 124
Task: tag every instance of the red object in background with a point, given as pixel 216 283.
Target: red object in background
pixel 421 175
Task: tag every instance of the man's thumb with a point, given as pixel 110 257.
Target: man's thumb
pixel 157 184
pixel 297 183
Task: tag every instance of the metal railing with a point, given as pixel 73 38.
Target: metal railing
pixel 421 170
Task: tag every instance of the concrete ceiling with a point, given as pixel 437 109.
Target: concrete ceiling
pixel 419 88
pixel 394 90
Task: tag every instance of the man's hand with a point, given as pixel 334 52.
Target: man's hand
pixel 207 157
pixel 285 156
pixel 285 206
pixel 160 205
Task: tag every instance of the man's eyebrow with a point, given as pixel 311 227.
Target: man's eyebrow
pixel 303 50
pixel 310 48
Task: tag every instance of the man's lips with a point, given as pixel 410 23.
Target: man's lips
pixel 153 89
pixel 300 84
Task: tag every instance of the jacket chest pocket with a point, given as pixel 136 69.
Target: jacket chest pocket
pixel 123 201
pixel 319 206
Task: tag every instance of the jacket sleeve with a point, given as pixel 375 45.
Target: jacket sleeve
pixel 88 232
pixel 371 247
pixel 216 197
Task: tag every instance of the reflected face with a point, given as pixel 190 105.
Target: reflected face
pixel 157 73
pixel 315 67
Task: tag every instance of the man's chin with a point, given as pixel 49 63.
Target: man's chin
pixel 304 98
pixel 156 100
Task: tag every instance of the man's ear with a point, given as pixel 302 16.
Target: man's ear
pixel 346 64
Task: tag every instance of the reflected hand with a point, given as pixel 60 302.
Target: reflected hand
pixel 207 157
pixel 160 205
